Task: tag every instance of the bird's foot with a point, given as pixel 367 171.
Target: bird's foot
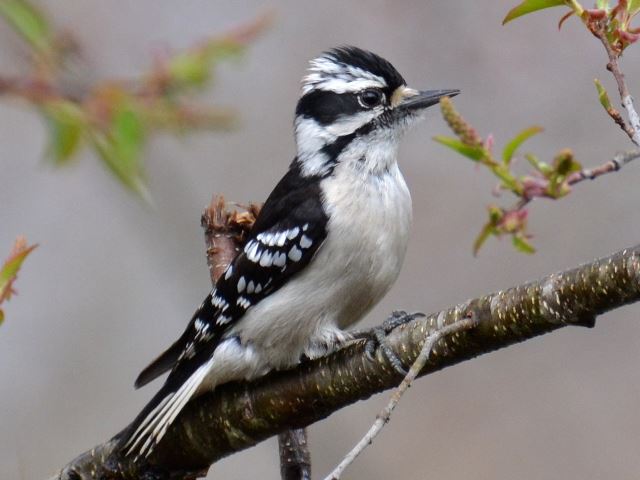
pixel 377 337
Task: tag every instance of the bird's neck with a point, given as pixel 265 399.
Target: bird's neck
pixel 320 151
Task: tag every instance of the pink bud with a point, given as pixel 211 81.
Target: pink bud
pixel 595 13
pixel 628 36
pixel 488 143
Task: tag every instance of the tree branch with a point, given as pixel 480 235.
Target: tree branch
pixel 613 66
pixel 239 415
pixel 295 458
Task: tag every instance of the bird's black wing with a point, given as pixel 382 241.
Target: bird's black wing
pixel 286 235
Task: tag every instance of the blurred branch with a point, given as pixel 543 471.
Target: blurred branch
pixel 116 117
pixel 239 415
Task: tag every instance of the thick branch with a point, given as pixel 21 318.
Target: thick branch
pixel 239 415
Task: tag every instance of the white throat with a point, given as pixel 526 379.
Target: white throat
pixel 372 153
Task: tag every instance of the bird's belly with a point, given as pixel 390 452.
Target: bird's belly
pixel 354 268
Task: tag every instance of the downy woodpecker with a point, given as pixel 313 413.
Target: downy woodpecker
pixel 326 247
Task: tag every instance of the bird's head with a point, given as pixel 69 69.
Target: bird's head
pixel 354 108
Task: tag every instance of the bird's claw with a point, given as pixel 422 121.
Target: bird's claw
pixel 399 317
pixel 377 337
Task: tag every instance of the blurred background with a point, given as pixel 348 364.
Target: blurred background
pixel 115 280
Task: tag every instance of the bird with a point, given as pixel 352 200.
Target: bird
pixel 327 245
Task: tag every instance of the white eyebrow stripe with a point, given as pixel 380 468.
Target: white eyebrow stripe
pixel 326 73
pixel 340 85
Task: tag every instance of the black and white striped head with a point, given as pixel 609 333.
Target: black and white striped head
pixel 354 108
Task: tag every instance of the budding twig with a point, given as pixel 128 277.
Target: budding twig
pixel 633 130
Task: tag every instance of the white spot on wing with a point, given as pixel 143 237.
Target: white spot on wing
pixel 254 253
pixel 295 254
pixel 250 286
pixel 219 302
pixel 280 259
pixel 242 302
pixel 241 284
pixel 282 237
pixel 293 233
pixel 305 242
pixel 265 259
pixel 229 272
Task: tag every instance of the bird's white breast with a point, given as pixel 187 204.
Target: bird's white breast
pixel 369 220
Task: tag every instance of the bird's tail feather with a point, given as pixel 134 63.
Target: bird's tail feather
pixel 152 423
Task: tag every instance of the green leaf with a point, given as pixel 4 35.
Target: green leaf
pixel 495 214
pixel 66 124
pixel 28 22
pixel 12 265
pixel 508 180
pixel 487 230
pixel 121 147
pixel 474 153
pixel 539 165
pixel 128 135
pixel 633 7
pixel 64 140
pixel 511 147
pixel 189 68
pixel 565 163
pixel 192 68
pixel 530 6
pixel 522 244
pixel 603 96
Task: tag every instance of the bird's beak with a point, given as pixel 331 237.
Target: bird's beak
pixel 409 100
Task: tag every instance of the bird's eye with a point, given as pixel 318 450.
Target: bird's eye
pixel 370 98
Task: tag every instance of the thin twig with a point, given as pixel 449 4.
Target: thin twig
pixel 617 118
pixel 616 163
pixel 383 417
pixel 627 100
pixel 613 165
